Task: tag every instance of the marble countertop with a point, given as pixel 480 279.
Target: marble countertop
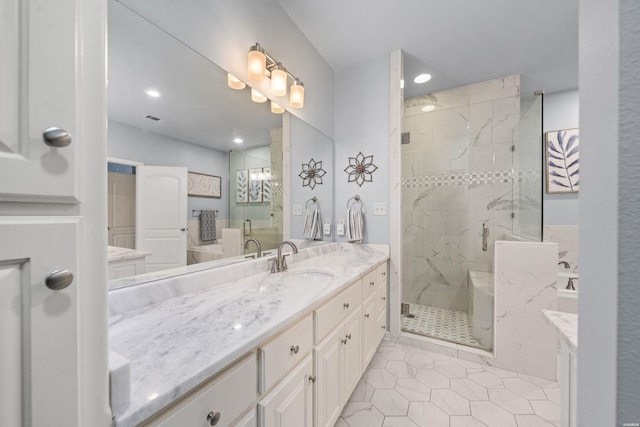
pixel 115 253
pixel 567 326
pixel 175 344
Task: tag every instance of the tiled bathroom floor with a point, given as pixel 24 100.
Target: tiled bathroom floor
pixel 441 323
pixel 409 387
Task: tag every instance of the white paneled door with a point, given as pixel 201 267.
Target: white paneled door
pixel 161 216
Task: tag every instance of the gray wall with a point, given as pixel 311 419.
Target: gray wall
pixel 560 111
pixel 609 303
pixel 362 125
pixel 126 142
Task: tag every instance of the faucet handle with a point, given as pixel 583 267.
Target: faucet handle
pixel 274 265
pixel 283 262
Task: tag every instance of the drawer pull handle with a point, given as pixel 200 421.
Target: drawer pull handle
pixel 345 305
pixel 384 326
pixel 366 315
pixel 372 283
pixel 384 298
pixel 343 341
pixel 295 349
pixel 213 417
pixel 384 273
pixel 312 378
pixel 348 336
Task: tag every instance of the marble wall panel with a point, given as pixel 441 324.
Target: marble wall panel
pixel 525 279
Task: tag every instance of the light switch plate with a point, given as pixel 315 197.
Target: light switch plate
pixel 379 208
pixel 340 229
pixel 297 209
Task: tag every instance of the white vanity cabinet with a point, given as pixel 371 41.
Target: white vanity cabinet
pixel 219 403
pixel 374 312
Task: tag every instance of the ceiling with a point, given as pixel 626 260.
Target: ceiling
pixel 458 42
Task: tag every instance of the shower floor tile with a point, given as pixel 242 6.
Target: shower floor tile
pixel 440 323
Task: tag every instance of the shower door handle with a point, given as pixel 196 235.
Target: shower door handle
pixel 485 236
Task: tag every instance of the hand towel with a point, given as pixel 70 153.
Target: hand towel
pixel 354 228
pixel 207 225
pixel 313 223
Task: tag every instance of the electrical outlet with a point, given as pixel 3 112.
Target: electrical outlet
pixel 326 229
pixel 297 209
pixel 379 208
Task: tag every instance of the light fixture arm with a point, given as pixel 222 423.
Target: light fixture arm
pixel 272 62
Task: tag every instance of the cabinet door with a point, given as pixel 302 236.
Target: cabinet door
pixel 328 368
pixel 352 359
pixel 289 404
pixel 38 86
pixel 38 325
pixel 369 330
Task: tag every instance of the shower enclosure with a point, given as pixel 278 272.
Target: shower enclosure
pixel 471 174
pixel 255 193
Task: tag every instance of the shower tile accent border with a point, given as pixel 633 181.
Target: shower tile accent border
pixel 469 178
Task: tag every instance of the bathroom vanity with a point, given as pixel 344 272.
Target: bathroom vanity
pixel 125 262
pixel 240 346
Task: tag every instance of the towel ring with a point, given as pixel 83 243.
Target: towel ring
pixel 356 199
pixel 314 199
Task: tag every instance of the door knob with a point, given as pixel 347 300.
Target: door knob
pixel 56 137
pixel 58 280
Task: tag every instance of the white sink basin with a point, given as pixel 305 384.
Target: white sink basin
pixel 310 276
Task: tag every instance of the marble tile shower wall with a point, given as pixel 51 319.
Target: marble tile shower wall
pixel 566 236
pixel 456 175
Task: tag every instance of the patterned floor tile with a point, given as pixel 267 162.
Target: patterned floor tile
pixel 548 410
pixel 487 379
pixel 513 403
pixel 398 422
pixel 450 368
pixel 441 323
pixel 380 378
pixel 466 421
pixel 390 402
pixel 492 415
pixel 426 414
pixel 524 388
pixel 532 421
pixel 450 402
pixel 469 389
pixel 401 369
pixel 413 390
pixel 362 414
pixel 432 378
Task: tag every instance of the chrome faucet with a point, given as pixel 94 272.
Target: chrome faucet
pixel 258 246
pixel 280 263
pixel 565 264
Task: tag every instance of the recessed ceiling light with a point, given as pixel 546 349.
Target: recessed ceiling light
pixel 152 93
pixel 238 140
pixel 422 78
pixel 428 108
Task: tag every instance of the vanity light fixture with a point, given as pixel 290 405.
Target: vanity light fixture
pixel 257 96
pixel 235 83
pixel 276 108
pixel 260 65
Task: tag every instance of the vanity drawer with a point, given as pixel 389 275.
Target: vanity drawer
pixel 381 298
pixel 369 283
pixel 329 315
pixel 228 396
pixel 281 354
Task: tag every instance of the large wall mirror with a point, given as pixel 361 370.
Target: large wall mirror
pixel 184 193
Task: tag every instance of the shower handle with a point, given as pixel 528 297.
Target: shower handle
pixel 485 235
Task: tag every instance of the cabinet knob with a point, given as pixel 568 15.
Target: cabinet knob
pixel 213 417
pixel 384 298
pixel 295 349
pixel 384 326
pixel 345 305
pixel 56 137
pixel 384 273
pixel 348 336
pixel 182 229
pixel 58 280
pixel 372 283
pixel 343 341
pixel 312 378
pixel 366 315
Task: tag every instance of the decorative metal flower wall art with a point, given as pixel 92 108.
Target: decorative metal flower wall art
pixel 360 169
pixel 312 173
